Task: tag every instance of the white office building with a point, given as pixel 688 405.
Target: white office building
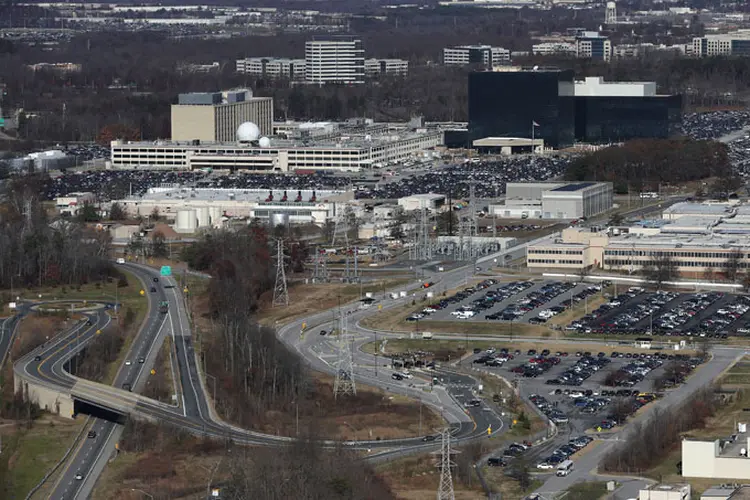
pixel 272 67
pixel 334 59
pixel 729 44
pixel 485 55
pixel 592 45
pixel 553 48
pixel 375 67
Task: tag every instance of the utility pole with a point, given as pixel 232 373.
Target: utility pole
pixel 280 291
pixel 445 490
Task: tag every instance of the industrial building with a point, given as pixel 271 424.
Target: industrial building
pixel 429 201
pixel 608 112
pixel 334 59
pixel 665 492
pixel 522 102
pixel 717 459
pixel 193 209
pixel 730 44
pixel 276 155
pixel 72 202
pixel 485 55
pixel 215 116
pixel 272 67
pixel 592 45
pixel 375 67
pixel 554 200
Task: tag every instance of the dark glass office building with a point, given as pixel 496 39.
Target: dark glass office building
pixel 605 119
pixel 505 103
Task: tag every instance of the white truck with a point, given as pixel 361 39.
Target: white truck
pixel 426 335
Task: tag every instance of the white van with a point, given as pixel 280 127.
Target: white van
pixel 121 261
pixel 565 468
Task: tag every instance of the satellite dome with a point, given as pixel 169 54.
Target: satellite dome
pixel 248 132
pixel 264 142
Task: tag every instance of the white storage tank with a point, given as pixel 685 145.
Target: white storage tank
pixel 186 221
pixel 203 217
pixel 279 219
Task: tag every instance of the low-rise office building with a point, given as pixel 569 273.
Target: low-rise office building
pixel 375 67
pixel 71 203
pixel 592 45
pixel 277 155
pixel 272 67
pixel 485 55
pixel 427 201
pixel 716 459
pixel 729 44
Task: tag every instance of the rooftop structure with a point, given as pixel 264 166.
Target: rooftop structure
pixel 665 492
pixel 684 209
pixel 717 459
pixel 595 86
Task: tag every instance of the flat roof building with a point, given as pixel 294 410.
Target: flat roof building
pixel 522 102
pixel 429 201
pixel 278 155
pixel 555 200
pixel 592 45
pixel 665 492
pixel 607 112
pixel 334 59
pixel 216 116
pixel 729 44
pixel 486 55
pixel 272 67
pixel 375 67
pixel 717 459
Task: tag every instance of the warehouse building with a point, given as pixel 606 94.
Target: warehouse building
pixel 554 200
pixel 428 201
pixel 275 155
pixel 215 116
pixel 192 209
pixel 717 459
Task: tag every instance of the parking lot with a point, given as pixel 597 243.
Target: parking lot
pixel 583 392
pixel 636 312
pixel 517 301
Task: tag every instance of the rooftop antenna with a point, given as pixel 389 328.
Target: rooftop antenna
pixel 280 291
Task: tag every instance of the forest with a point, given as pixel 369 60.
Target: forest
pixel 646 164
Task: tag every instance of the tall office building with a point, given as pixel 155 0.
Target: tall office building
pixel 509 101
pixel 729 44
pixel 485 55
pixel 334 59
pixel 215 116
pixel 616 111
pixel 591 45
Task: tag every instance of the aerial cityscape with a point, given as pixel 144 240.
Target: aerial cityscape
pixel 370 250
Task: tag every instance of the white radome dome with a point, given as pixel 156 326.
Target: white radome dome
pixel 248 132
pixel 264 142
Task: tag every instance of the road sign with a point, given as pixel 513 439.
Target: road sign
pixel 98 332
pixel 185 290
pixel 598 429
pixel 142 292
pixel 153 372
pixel 489 430
pixel 166 270
pixel 380 307
pixel 304 325
pixel 515 422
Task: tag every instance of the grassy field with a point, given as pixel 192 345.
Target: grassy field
pixel 587 490
pixel 508 487
pixel 28 454
pixel 306 300
pixel 417 478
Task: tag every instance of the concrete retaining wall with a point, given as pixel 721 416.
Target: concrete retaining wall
pixel 51 400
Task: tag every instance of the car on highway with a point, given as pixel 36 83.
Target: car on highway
pixel 92 434
pixel 79 476
pixel 128 362
pixel 496 462
pixel 141 360
pixel 156 280
pixel 545 465
pixel 37 358
pixel 323 332
pixel 153 289
pixel 126 386
pixel 397 376
pixel 429 437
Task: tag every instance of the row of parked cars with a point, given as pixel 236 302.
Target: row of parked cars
pixel 549 409
pixel 632 373
pixel 582 370
pixel 492 297
pixel 563 453
pixel 463 312
pixel 532 300
pixel 719 322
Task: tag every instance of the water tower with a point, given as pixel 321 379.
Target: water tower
pixel 610 15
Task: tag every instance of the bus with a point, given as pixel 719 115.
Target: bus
pixel 565 468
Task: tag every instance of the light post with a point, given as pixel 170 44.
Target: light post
pixel 145 493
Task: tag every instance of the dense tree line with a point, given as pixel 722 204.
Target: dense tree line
pixel 35 252
pixel 645 164
pixel 648 443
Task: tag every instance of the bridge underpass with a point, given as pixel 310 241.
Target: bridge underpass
pixel 84 407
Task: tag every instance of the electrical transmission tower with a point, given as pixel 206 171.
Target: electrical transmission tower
pixel 320 274
pixel 445 490
pixel 422 247
pixel 342 220
pixel 343 384
pixel 280 291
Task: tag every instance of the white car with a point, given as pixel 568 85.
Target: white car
pixel 544 465
pixel 128 363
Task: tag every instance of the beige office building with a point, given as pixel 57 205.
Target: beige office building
pixel 215 116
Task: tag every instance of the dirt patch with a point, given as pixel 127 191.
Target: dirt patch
pixel 36 328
